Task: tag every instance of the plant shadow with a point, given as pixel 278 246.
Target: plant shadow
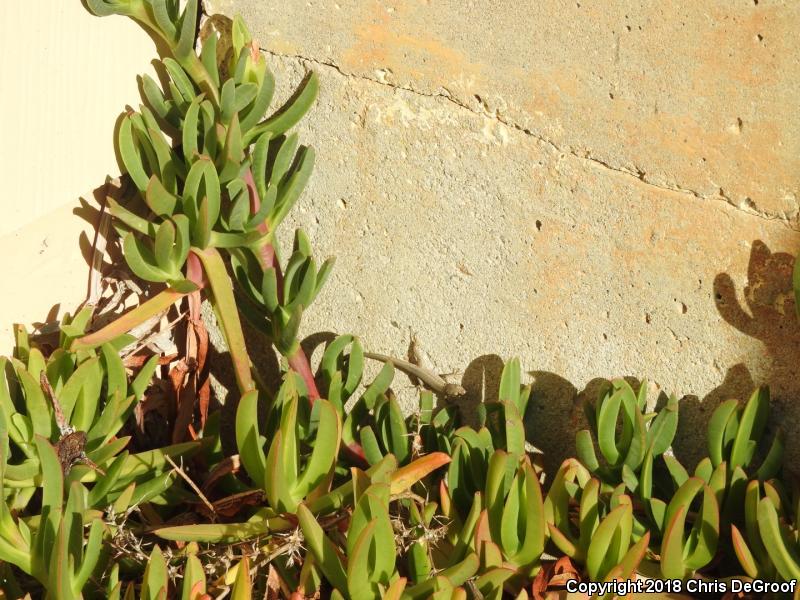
pixel 765 311
pixel 768 314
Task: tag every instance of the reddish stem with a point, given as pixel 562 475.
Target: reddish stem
pixel 194 271
pixel 266 253
pixel 356 454
pixel 298 361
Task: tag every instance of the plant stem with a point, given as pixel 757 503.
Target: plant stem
pixel 190 63
pixel 227 314
pixel 298 361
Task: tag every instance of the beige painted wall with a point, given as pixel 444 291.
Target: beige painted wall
pixel 66 75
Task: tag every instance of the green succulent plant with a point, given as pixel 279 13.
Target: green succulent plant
pixel 751 547
pixel 374 424
pixel 91 401
pixel 737 438
pixel 287 473
pixel 505 418
pixel 213 175
pixel 681 554
pixel 631 442
pixel 156 584
pixel 501 428
pixel 335 492
pixel 735 433
pixel 51 547
pixel 516 512
pixel 601 536
pixel 370 568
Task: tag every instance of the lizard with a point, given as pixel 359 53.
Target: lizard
pixel 71 446
pixel 429 379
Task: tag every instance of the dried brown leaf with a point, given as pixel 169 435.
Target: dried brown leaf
pixel 228 465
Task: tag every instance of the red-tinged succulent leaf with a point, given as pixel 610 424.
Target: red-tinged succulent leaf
pixel 298 362
pixel 154 306
pixel 361 558
pixel 491 555
pixel 610 532
pixel 672 565
pixel 198 591
pixel 395 591
pixel 491 580
pixel 705 532
pixel 324 550
pixel 404 477
pixel 483 532
pixel 563 542
pixel 634 556
pixel 743 553
pixel 781 550
pixel 249 440
pixel 444 499
pixel 321 462
pixel 242 588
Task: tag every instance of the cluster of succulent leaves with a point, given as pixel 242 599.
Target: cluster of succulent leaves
pixel 332 490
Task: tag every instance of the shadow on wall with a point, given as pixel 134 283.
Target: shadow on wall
pixel 766 313
pixel 763 310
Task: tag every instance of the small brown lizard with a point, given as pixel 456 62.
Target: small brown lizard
pixel 71 445
pixel 429 379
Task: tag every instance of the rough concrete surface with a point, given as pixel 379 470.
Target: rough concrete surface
pixel 602 189
pixel 694 96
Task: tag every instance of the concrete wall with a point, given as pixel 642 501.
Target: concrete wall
pixel 600 188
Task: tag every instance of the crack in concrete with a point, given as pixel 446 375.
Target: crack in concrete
pixel 639 175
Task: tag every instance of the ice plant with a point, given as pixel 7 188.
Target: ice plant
pixel 322 485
